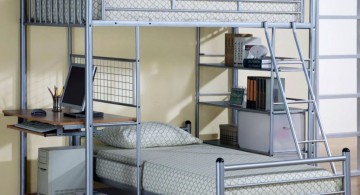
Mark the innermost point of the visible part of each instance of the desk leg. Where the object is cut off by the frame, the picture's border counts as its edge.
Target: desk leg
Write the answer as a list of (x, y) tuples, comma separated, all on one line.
[(74, 141), (23, 161)]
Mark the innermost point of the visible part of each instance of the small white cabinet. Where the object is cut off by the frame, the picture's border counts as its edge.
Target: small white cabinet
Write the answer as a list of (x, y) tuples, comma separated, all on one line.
[(254, 132)]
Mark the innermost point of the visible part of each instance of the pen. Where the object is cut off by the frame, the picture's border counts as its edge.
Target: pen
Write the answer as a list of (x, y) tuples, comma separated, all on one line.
[(51, 92), (56, 91), (61, 92)]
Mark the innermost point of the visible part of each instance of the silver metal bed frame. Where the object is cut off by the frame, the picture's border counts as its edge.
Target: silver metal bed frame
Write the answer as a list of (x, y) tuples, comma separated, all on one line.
[(74, 13)]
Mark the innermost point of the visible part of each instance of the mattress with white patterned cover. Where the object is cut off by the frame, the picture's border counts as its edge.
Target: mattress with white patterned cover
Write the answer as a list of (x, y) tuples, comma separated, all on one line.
[(73, 11), (191, 170)]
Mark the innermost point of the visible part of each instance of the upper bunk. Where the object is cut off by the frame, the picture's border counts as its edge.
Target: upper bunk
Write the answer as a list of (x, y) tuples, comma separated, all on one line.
[(196, 13)]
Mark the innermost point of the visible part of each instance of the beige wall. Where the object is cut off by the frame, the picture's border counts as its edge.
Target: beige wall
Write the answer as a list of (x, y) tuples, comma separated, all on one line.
[(9, 144)]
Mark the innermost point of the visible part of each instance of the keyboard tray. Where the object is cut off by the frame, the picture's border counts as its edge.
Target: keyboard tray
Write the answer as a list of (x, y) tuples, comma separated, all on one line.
[(36, 126)]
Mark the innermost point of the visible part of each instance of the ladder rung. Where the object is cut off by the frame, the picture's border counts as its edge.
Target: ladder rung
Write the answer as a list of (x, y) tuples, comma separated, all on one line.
[(291, 111), (311, 141), (289, 69), (296, 102), (289, 62)]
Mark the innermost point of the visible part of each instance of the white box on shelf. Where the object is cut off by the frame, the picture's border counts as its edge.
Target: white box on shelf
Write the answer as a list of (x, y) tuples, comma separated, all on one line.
[(254, 132), (242, 46)]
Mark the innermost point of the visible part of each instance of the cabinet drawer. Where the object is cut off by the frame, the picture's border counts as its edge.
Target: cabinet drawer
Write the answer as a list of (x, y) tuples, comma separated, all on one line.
[(254, 132)]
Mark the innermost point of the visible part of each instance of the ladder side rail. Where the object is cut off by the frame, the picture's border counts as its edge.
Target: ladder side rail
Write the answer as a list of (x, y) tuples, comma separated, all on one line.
[(275, 68), (318, 121)]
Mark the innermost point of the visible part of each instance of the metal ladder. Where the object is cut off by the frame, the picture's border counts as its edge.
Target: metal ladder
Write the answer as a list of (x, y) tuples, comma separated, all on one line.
[(311, 101)]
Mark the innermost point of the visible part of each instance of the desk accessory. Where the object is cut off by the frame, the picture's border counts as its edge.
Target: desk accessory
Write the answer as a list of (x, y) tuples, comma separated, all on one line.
[(38, 112), (56, 96)]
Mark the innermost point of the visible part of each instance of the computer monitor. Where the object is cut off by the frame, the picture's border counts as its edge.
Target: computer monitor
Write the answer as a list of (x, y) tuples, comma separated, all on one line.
[(74, 91)]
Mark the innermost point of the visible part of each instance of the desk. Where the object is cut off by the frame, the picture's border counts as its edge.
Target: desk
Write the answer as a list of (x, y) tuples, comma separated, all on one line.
[(66, 126)]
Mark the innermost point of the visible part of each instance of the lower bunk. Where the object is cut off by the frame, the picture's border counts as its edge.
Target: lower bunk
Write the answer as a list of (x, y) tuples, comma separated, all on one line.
[(191, 169)]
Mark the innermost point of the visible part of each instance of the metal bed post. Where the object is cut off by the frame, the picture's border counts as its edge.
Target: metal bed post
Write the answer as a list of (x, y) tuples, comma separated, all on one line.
[(311, 147), (89, 96), (220, 186), (23, 95), (235, 83), (347, 171), (314, 17), (73, 140), (138, 109), (272, 80), (197, 84)]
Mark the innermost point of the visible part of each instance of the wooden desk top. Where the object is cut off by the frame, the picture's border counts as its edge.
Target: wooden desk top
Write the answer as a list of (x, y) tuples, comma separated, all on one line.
[(57, 118)]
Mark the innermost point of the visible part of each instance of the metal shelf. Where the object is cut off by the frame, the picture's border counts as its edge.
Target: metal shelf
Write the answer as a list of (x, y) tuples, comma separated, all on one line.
[(222, 65), (225, 104)]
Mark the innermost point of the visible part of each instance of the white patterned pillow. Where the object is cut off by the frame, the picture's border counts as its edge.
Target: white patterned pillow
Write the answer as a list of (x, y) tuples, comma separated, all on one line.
[(153, 134)]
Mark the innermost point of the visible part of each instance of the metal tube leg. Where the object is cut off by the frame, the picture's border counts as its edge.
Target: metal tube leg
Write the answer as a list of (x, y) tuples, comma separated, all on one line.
[(347, 172), (220, 176), (23, 160)]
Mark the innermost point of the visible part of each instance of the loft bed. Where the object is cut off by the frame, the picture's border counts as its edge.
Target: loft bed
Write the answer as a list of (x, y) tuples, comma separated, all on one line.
[(185, 13)]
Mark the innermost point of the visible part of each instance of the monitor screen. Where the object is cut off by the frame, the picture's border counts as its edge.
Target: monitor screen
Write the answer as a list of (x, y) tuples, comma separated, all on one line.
[(74, 91)]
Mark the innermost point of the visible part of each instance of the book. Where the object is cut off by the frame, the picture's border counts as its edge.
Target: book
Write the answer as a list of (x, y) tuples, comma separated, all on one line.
[(258, 93), (240, 48), (257, 63), (229, 47), (265, 62), (237, 96)]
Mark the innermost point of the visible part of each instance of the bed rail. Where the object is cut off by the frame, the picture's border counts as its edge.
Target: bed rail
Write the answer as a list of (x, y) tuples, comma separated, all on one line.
[(345, 158), (114, 81), (72, 12)]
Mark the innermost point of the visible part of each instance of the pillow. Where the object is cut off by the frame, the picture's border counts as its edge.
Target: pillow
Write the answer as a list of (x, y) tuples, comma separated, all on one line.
[(153, 134)]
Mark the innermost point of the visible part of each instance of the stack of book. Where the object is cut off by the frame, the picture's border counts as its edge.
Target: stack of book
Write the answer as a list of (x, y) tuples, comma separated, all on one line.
[(258, 93), (234, 47), (257, 63)]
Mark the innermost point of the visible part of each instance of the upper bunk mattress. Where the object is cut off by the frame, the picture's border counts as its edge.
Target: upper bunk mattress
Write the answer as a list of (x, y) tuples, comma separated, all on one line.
[(73, 11), (191, 170)]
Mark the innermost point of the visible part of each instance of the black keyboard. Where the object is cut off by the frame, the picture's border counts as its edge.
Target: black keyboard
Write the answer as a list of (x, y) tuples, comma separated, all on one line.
[(36, 126)]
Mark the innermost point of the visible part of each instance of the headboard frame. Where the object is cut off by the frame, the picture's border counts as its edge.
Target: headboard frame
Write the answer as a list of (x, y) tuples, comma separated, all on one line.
[(187, 126)]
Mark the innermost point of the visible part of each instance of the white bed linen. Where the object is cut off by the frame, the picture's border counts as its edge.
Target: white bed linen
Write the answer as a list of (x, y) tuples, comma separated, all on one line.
[(191, 170)]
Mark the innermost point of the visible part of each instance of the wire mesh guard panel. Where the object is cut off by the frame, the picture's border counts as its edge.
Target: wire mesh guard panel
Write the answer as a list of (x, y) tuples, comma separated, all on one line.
[(114, 81), (61, 11)]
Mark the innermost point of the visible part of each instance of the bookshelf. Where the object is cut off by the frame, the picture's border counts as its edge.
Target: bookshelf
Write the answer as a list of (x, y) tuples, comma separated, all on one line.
[(273, 119)]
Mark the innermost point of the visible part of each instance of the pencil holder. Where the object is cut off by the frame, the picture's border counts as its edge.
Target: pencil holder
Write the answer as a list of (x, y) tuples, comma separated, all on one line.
[(56, 104)]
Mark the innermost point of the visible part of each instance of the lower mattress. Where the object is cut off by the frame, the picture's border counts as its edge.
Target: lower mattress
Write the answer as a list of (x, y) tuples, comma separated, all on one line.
[(191, 170)]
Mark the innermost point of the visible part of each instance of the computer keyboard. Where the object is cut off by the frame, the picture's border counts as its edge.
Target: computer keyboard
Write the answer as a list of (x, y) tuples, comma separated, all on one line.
[(36, 126)]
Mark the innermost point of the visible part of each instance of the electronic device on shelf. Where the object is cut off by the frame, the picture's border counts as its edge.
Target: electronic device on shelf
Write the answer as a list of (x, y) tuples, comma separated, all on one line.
[(74, 91), (36, 126), (38, 112)]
